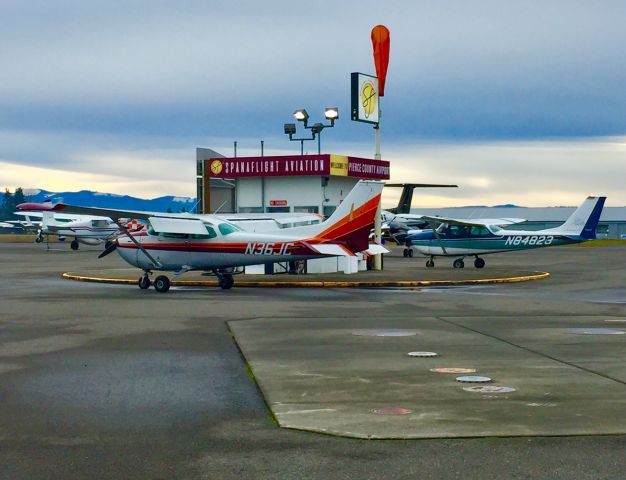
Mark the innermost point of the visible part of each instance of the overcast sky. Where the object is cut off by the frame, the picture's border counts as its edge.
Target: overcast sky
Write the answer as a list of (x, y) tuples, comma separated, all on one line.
[(517, 102)]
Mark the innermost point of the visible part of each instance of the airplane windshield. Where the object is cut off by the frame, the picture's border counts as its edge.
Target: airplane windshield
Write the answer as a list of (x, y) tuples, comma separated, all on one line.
[(494, 228)]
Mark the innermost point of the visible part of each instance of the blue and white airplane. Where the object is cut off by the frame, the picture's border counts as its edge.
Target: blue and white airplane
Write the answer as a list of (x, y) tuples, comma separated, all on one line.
[(471, 238)]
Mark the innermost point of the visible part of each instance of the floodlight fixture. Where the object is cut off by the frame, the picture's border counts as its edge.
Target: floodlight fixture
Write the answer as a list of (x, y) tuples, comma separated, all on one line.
[(331, 113), (317, 128), (301, 115), (290, 128)]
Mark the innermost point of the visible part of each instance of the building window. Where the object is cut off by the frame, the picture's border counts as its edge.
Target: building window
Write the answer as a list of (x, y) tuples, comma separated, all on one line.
[(311, 209), (278, 209), (329, 210)]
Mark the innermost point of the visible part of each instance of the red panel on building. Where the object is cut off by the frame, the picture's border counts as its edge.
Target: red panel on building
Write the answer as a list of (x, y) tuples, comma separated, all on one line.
[(298, 165)]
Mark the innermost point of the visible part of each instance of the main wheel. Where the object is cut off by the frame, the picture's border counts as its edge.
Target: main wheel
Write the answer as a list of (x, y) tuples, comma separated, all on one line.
[(405, 252), (74, 244), (479, 262), (430, 263), (161, 284), (144, 282), (226, 282), (410, 252), (38, 239), (458, 263)]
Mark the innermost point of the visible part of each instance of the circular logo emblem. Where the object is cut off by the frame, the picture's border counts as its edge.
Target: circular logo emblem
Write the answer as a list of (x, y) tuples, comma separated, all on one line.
[(216, 167), (368, 98)]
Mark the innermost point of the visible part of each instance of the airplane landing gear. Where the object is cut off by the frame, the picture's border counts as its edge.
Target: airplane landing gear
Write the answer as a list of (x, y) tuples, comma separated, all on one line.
[(74, 244), (226, 281), (161, 284), (458, 263), (479, 262), (39, 237), (430, 263), (144, 281), (407, 252)]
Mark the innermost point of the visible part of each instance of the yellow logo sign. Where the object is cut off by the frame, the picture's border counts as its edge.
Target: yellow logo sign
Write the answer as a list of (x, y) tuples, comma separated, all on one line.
[(369, 98), (216, 167), (339, 165)]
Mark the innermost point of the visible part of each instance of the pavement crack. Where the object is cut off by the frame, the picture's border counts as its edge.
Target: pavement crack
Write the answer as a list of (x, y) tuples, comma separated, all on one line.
[(530, 350)]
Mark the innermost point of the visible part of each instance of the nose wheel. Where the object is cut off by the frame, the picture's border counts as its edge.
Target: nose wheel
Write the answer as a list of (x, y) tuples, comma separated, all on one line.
[(479, 262), (144, 282), (430, 263), (458, 263)]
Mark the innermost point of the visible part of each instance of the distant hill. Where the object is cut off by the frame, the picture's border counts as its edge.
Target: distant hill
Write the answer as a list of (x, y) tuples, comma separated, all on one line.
[(88, 198)]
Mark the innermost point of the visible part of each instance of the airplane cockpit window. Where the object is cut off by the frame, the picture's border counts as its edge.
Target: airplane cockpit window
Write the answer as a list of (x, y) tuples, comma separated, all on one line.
[(99, 223), (494, 229), (479, 231), (228, 228), (458, 231)]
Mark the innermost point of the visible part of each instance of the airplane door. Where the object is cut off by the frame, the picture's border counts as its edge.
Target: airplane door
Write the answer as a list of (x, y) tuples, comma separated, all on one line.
[(172, 250)]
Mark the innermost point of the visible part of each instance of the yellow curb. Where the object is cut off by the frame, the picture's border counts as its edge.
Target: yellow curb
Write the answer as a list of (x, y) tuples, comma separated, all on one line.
[(321, 284)]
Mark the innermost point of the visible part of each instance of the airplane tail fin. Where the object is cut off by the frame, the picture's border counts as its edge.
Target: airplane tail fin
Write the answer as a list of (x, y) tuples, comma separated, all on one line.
[(583, 222), (406, 197), (351, 223)]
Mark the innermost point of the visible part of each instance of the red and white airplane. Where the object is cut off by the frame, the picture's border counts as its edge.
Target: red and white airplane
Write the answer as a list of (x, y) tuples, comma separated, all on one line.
[(181, 242)]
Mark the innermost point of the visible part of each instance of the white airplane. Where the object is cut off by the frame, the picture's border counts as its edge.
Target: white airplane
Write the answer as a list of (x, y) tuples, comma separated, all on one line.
[(87, 229), (96, 229), (180, 243)]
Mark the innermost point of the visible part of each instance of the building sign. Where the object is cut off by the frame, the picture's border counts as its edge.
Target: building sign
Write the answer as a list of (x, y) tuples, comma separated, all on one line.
[(297, 165), (278, 203), (364, 104), (366, 168), (339, 165)]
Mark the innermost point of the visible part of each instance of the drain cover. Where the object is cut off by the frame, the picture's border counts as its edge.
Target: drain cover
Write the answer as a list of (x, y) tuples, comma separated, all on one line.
[(392, 411), (596, 331), (473, 379), (489, 389), (453, 370), (422, 354), (397, 332)]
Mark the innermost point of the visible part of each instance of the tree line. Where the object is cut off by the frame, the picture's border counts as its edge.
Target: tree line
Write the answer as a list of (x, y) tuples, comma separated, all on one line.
[(9, 203)]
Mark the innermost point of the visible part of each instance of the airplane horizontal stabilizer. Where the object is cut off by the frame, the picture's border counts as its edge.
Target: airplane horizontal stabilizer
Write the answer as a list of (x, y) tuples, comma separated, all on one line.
[(332, 249), (375, 249)]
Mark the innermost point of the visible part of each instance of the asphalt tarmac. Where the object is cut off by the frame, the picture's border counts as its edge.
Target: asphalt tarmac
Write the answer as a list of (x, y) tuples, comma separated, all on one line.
[(108, 381)]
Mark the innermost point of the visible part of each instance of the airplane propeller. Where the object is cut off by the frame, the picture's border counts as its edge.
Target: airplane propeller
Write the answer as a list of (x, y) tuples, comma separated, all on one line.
[(108, 250)]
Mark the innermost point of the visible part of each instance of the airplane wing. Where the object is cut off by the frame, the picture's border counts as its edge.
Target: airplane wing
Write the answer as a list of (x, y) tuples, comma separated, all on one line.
[(177, 225), (281, 218), (481, 222), (99, 212)]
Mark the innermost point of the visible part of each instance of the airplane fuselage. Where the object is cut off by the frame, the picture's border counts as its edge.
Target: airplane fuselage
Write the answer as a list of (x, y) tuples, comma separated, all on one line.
[(427, 243), (175, 252)]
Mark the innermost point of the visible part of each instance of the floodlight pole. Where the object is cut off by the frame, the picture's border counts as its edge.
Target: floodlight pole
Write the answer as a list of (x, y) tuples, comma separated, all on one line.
[(378, 258)]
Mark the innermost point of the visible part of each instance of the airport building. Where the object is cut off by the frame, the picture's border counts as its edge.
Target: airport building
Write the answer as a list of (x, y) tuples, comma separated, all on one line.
[(280, 184)]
